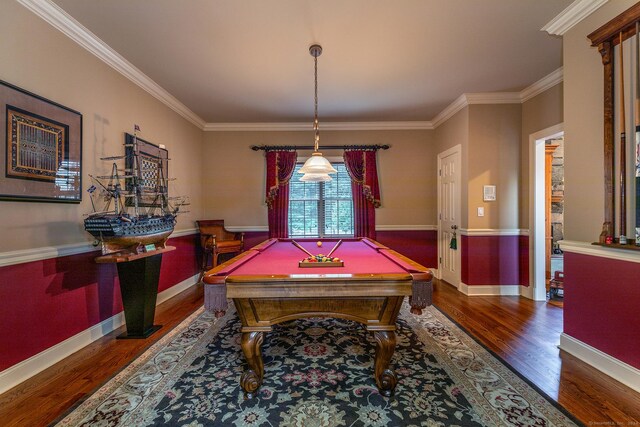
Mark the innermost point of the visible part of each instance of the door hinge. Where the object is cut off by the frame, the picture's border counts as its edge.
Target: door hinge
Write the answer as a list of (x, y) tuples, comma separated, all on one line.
[(440, 172), (439, 216), (440, 260)]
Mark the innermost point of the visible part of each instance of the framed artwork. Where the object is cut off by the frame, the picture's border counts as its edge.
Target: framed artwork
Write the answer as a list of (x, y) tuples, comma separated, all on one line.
[(489, 193), (42, 156), (154, 170)]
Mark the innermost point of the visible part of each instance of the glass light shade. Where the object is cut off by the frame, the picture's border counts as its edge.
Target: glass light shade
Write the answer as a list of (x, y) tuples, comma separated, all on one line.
[(315, 177), (316, 164)]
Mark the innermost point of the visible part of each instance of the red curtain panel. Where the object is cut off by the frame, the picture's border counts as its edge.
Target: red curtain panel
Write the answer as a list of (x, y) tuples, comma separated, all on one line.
[(280, 166), (361, 166)]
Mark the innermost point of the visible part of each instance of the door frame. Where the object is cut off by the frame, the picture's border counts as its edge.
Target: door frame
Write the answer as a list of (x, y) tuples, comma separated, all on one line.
[(537, 288), (456, 149)]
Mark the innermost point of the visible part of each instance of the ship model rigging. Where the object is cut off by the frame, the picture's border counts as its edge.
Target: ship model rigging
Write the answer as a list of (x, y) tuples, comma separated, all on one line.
[(138, 215)]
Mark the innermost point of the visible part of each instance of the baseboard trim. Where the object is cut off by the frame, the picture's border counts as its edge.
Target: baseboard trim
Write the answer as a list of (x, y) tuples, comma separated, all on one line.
[(616, 369), (489, 290), (37, 363)]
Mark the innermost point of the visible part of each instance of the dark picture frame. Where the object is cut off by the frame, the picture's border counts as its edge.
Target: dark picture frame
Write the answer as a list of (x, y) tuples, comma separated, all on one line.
[(42, 156), (154, 163)]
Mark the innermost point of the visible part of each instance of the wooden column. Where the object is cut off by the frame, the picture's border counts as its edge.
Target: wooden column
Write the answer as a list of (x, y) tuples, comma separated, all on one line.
[(613, 33)]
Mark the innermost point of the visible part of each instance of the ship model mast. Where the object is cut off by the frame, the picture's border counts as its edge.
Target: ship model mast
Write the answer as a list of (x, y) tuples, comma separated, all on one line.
[(145, 185)]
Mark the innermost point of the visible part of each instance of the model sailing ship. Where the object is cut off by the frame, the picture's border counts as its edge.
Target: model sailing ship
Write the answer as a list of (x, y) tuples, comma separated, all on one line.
[(138, 212)]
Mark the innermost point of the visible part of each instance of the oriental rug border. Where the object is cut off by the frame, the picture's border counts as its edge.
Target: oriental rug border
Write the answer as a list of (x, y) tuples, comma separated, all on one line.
[(493, 394)]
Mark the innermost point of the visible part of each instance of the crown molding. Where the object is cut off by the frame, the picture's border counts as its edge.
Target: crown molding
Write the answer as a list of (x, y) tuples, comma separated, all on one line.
[(493, 98), (475, 98), (545, 83), (572, 15), (450, 110), (326, 126), (59, 19), (65, 23)]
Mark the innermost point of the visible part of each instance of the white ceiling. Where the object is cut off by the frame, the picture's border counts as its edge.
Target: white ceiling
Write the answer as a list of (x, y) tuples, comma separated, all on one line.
[(243, 61)]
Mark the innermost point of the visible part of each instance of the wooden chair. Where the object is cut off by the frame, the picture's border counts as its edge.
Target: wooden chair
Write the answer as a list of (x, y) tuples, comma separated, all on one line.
[(216, 240)]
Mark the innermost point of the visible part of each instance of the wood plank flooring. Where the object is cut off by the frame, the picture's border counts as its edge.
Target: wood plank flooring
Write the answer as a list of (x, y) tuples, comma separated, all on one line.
[(522, 332), (526, 334)]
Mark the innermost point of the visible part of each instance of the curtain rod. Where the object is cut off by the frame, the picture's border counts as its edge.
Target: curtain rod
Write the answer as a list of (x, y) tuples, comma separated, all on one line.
[(322, 147)]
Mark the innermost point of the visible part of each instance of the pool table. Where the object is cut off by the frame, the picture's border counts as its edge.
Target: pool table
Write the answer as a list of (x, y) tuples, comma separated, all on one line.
[(268, 287)]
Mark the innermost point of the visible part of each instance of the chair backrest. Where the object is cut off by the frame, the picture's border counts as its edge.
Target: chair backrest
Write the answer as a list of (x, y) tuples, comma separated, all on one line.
[(215, 226)]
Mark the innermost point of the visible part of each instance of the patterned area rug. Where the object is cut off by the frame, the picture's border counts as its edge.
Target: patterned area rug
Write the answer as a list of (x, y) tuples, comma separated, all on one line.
[(318, 372)]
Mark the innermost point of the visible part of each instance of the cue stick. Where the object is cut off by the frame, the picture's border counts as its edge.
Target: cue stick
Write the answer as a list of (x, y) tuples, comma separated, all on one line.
[(297, 245), (623, 149), (334, 248)]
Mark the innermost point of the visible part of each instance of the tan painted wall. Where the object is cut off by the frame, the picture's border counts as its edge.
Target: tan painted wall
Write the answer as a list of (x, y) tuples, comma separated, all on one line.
[(494, 158), (40, 59), (234, 175), (538, 113), (449, 134), (583, 117)]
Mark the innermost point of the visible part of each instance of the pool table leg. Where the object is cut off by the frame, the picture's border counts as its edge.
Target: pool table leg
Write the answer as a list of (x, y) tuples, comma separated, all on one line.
[(385, 377), (252, 378)]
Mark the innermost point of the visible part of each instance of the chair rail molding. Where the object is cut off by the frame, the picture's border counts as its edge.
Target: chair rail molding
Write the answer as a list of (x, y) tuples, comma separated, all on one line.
[(46, 252)]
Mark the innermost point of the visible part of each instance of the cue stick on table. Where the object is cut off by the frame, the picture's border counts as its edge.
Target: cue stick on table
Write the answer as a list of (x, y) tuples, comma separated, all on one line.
[(297, 245), (334, 248)]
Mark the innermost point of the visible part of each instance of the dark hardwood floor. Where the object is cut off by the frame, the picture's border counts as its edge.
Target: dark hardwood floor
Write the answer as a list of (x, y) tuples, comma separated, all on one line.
[(526, 334), (522, 332)]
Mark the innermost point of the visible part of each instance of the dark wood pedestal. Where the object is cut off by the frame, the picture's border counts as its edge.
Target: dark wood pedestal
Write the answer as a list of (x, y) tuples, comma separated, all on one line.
[(139, 276)]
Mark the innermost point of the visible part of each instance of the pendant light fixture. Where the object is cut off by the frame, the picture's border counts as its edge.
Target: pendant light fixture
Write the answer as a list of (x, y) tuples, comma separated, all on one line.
[(316, 168)]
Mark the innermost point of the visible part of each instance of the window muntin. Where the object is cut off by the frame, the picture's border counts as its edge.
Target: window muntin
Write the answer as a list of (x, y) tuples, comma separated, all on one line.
[(321, 209)]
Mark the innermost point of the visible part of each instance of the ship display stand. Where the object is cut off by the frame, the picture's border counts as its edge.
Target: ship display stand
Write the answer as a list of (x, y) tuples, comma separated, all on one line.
[(134, 225), (139, 275)]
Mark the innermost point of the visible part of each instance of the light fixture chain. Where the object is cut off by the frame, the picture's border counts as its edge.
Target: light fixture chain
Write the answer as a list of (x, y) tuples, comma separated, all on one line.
[(316, 125)]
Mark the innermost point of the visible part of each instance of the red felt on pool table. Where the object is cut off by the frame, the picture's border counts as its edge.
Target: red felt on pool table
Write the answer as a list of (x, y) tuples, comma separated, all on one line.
[(282, 257)]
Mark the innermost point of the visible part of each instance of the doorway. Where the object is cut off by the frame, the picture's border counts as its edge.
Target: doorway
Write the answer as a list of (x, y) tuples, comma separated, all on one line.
[(554, 219), (538, 207), (449, 216)]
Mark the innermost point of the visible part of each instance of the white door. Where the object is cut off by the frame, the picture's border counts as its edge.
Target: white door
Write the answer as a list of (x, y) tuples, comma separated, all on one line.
[(449, 214)]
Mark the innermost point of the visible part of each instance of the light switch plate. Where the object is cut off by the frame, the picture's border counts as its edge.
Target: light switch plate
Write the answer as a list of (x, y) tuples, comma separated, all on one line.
[(481, 211)]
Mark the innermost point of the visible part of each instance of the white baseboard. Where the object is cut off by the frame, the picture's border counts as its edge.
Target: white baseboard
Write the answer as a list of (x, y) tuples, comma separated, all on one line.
[(24, 370), (616, 369), (489, 290)]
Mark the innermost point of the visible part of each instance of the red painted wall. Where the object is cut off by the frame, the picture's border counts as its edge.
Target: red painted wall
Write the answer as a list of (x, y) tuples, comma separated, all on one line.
[(42, 303), (419, 245), (524, 260), (491, 260), (602, 304)]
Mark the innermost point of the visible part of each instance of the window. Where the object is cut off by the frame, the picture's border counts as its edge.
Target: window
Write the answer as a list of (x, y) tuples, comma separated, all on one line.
[(321, 209)]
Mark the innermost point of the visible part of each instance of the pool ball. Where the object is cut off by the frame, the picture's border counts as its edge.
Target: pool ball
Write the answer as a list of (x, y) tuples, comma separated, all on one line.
[(319, 243)]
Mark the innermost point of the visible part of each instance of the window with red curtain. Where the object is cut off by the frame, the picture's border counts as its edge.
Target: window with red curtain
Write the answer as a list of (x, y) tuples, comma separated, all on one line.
[(361, 166), (280, 166), (321, 209)]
